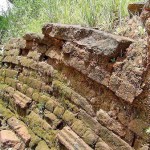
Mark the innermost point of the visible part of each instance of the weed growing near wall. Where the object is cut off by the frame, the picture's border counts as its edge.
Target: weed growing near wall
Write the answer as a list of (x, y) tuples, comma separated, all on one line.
[(30, 15)]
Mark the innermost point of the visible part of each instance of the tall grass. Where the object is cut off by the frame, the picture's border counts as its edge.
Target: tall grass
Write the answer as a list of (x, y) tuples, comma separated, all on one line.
[(30, 15)]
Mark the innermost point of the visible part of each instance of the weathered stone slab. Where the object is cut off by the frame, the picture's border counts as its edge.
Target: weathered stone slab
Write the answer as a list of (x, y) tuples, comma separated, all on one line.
[(71, 140), (8, 139), (110, 123), (33, 36), (15, 43), (138, 127), (126, 80), (20, 129), (93, 40), (52, 119), (101, 145), (114, 141), (42, 146), (106, 46), (11, 59), (34, 55), (21, 100), (73, 96)]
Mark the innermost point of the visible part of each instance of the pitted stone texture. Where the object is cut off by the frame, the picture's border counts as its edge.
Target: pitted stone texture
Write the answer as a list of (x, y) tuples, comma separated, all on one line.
[(20, 129), (71, 140), (33, 36), (101, 145), (8, 139), (126, 81), (15, 43), (42, 146), (110, 123), (138, 127), (34, 55), (92, 40), (21, 100), (146, 12)]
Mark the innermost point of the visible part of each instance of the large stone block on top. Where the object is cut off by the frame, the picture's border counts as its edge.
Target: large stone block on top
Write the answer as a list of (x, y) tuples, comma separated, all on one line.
[(92, 40)]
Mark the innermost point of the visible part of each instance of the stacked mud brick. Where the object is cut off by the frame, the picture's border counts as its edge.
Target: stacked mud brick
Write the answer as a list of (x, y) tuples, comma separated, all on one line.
[(74, 88)]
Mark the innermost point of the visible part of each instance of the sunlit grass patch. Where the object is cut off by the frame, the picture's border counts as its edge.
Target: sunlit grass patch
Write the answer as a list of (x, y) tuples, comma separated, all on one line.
[(29, 16)]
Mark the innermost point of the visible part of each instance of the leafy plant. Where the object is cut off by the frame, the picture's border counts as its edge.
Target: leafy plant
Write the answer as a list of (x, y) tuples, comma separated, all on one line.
[(41, 106)]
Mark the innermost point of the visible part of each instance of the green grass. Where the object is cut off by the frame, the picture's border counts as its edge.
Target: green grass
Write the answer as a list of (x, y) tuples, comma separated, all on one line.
[(29, 15)]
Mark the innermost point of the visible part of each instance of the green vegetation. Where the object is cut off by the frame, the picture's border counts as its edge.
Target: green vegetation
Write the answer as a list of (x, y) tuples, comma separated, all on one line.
[(30, 15)]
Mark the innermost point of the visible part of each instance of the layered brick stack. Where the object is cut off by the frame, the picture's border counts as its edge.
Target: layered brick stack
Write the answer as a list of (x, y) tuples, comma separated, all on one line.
[(74, 88)]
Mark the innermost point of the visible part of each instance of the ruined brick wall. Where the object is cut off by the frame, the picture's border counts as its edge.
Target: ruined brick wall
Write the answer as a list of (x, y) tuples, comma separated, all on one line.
[(75, 88)]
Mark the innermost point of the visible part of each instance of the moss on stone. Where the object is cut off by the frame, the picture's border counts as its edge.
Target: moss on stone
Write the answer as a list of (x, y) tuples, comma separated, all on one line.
[(29, 81), (29, 92), (11, 73), (2, 80), (24, 88), (35, 84), (36, 96), (2, 72), (1, 58), (42, 146), (79, 127), (3, 86), (4, 111), (34, 139), (59, 111), (68, 105), (21, 77), (62, 89), (11, 82), (41, 128), (43, 99), (51, 104), (69, 117), (90, 137)]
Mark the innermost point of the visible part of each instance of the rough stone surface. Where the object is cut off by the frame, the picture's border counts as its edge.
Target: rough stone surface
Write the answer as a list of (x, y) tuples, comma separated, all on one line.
[(110, 123), (71, 141), (8, 139), (20, 129), (135, 8), (77, 88)]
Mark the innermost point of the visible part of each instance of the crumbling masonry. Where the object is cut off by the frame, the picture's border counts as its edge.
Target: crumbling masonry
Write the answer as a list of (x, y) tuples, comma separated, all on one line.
[(75, 88)]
